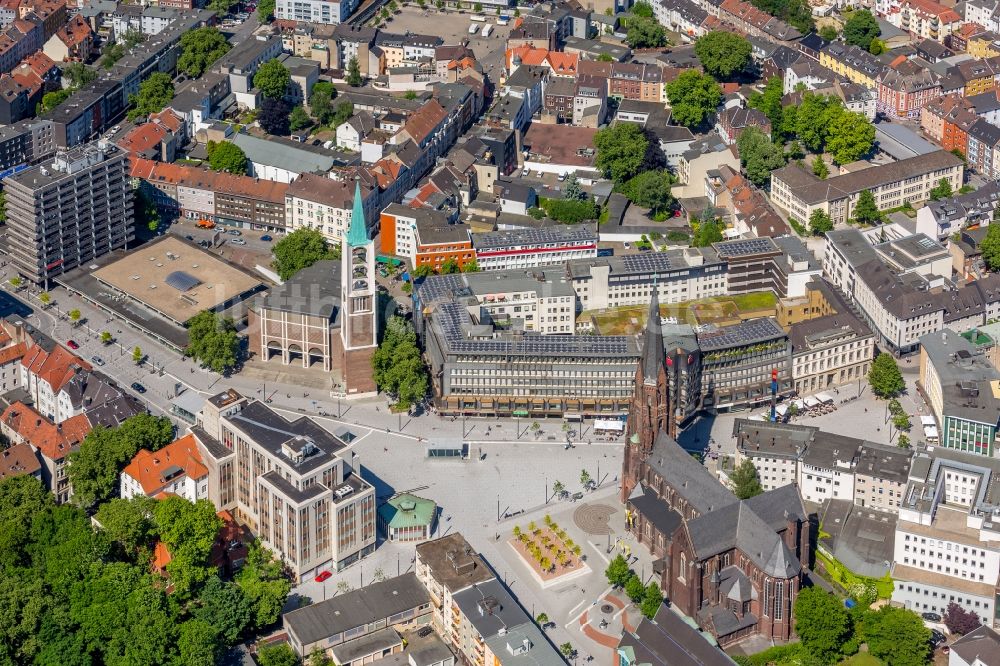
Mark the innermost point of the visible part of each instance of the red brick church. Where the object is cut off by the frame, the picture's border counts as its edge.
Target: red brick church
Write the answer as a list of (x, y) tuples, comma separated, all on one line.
[(733, 565)]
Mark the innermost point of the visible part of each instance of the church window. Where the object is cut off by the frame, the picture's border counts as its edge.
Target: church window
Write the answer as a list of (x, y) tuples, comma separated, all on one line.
[(683, 569)]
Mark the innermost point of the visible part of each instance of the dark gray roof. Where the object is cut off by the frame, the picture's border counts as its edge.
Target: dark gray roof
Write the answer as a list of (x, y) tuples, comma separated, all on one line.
[(739, 526), (655, 510), (563, 233), (490, 608), (359, 607), (270, 430), (211, 444), (670, 641), (690, 478), (313, 291), (653, 356), (979, 646)]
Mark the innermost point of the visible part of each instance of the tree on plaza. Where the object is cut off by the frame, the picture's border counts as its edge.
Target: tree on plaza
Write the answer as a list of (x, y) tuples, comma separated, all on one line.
[(861, 28), (300, 249), (272, 79), (274, 116), (884, 376), (298, 119), (820, 170), (850, 137), (585, 478), (990, 246), (106, 338), (694, 97), (759, 155), (897, 636), (645, 33), (651, 189), (226, 156), (621, 149), (398, 365), (960, 621), (652, 599), (542, 619), (866, 211), (213, 341), (820, 222), (154, 94), (903, 441), (822, 623), (567, 650), (942, 190), (745, 481), (558, 488), (618, 572), (45, 298), (723, 54), (265, 11), (74, 315), (16, 282), (137, 355), (353, 73), (199, 49), (634, 588)]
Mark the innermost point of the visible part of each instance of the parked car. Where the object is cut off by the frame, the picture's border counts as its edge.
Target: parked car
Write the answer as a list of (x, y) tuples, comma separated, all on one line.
[(138, 388), (931, 617), (266, 238), (937, 638), (97, 360), (234, 232), (323, 575), (72, 344), (238, 241), (525, 171), (189, 237)]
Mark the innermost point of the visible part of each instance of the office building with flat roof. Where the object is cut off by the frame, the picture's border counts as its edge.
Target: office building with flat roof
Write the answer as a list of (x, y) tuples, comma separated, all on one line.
[(65, 213)]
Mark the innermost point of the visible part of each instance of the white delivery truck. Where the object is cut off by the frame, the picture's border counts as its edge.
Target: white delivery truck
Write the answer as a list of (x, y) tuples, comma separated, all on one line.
[(473, 29), (487, 29)]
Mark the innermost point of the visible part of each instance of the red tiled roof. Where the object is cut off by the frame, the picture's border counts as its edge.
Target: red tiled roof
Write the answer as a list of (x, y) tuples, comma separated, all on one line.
[(18, 460), (425, 120), (143, 138), (56, 368), (149, 468), (53, 441), (75, 32), (224, 183)]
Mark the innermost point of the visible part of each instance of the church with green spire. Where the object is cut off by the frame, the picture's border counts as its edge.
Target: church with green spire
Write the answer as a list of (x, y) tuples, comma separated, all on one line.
[(359, 303)]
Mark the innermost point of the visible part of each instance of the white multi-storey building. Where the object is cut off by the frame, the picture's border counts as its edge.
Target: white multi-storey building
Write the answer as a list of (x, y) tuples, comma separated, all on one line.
[(315, 11), (947, 544), (175, 469), (325, 204)]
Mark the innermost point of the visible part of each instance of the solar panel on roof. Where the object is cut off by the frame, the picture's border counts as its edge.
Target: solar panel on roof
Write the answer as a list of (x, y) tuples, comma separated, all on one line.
[(182, 281)]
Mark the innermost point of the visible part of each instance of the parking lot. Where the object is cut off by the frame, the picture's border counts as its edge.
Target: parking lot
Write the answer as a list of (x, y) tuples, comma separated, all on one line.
[(254, 252), (453, 27)]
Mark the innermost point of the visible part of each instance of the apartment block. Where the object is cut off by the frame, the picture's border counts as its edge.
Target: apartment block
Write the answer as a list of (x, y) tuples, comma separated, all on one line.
[(288, 483), (447, 566), (424, 236)]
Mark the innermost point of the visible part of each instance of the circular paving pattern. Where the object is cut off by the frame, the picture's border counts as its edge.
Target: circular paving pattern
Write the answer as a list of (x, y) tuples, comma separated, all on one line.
[(594, 518)]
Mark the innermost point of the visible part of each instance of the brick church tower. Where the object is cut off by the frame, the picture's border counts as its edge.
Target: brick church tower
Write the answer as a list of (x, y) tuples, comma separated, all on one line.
[(649, 412), (358, 298)]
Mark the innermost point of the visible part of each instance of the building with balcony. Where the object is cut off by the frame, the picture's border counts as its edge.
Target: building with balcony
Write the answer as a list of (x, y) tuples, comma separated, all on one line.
[(68, 212)]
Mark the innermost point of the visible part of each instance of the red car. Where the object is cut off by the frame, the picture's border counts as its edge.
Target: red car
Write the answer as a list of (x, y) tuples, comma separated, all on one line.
[(72, 344), (323, 575)]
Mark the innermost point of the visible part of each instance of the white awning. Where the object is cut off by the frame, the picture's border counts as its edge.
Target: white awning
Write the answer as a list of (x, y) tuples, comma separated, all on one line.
[(811, 401), (927, 420), (781, 409), (799, 404), (824, 397), (609, 424), (756, 417), (930, 431)]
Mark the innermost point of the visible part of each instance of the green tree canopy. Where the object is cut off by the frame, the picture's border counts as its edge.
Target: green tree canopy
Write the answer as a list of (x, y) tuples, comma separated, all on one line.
[(897, 636), (571, 211), (652, 599), (265, 11), (279, 654), (709, 231), (694, 97), (272, 79), (226, 156), (861, 28), (769, 102), (866, 211), (398, 365), (759, 155), (264, 584), (300, 249), (51, 100), (745, 480), (642, 9), (723, 54), (128, 522), (651, 189), (298, 119), (321, 101), (827, 32), (78, 74), (820, 170), (621, 150), (820, 222), (154, 94), (822, 623), (226, 607), (645, 33), (199, 49), (884, 376), (353, 73), (850, 136), (990, 247), (942, 190), (213, 341), (618, 571)]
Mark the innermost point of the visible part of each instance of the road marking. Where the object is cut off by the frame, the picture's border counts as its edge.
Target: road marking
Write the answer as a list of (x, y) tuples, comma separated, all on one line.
[(597, 547)]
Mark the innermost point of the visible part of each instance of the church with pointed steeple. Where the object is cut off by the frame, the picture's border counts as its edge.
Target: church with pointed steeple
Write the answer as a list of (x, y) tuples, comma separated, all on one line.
[(734, 566), (359, 303)]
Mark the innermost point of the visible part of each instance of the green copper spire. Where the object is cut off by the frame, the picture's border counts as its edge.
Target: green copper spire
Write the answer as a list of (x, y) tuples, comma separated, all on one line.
[(357, 235)]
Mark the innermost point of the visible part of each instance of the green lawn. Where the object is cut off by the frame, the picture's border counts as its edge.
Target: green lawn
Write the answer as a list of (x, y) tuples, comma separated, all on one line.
[(631, 319), (862, 659), (758, 300)]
